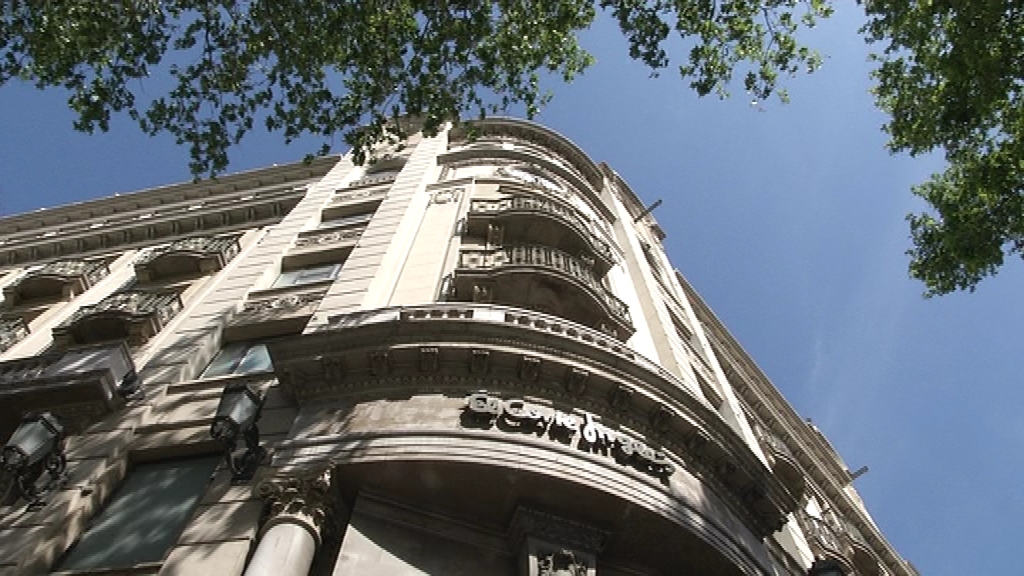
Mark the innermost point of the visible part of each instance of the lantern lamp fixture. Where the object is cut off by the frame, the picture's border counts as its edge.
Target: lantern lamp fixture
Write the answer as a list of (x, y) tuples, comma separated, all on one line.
[(37, 446), (237, 413)]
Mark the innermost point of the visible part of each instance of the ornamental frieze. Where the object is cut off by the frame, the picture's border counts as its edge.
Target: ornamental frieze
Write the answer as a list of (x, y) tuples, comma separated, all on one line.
[(350, 235), (12, 331), (132, 315), (61, 279), (188, 256)]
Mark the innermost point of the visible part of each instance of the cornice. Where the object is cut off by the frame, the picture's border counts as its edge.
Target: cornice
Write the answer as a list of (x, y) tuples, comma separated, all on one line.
[(157, 215), (812, 450), (455, 349), (542, 135)]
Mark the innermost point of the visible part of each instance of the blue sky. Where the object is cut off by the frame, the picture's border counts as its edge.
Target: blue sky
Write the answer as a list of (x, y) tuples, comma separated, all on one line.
[(789, 219)]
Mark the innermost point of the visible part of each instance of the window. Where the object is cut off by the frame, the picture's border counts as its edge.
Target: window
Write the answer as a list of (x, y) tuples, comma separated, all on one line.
[(307, 275), (346, 221), (239, 358), (144, 517)]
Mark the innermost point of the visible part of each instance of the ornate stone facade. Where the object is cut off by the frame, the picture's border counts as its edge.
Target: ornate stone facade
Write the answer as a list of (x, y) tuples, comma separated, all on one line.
[(496, 377)]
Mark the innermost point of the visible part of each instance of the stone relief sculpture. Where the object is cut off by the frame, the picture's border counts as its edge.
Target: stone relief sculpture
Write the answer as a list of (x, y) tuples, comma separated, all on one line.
[(561, 563)]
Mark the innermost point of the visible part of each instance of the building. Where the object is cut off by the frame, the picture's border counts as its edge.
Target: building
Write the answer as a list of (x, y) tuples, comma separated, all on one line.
[(470, 357)]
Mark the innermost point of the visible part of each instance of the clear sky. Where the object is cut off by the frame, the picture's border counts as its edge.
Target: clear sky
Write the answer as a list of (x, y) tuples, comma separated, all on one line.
[(789, 220)]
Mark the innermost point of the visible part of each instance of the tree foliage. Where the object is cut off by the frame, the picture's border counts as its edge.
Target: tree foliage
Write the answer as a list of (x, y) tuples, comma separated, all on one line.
[(209, 71), (950, 76)]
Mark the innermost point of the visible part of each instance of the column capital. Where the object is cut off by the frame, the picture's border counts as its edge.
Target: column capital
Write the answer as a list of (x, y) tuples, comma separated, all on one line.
[(303, 497)]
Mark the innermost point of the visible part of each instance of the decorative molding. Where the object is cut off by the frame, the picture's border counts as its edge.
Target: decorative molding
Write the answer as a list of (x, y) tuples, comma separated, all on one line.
[(375, 179), (61, 279), (447, 195), (529, 368), (533, 258), (305, 498), (827, 542), (576, 381), (556, 530), (102, 225), (478, 362), (137, 316), (12, 330), (430, 359), (571, 218), (380, 362), (530, 355), (347, 235), (188, 256), (79, 385), (282, 303), (620, 397)]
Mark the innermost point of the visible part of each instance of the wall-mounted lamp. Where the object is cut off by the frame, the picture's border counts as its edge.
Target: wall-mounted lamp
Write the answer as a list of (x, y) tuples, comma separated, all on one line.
[(37, 446), (826, 568), (237, 414)]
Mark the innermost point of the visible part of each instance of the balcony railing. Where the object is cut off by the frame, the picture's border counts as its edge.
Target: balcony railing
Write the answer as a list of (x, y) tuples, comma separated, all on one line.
[(550, 259), (196, 255), (61, 279), (374, 179), (80, 385), (132, 315), (12, 331), (566, 214)]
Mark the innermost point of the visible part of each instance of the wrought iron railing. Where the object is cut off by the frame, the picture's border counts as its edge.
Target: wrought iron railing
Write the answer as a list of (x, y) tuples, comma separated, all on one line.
[(532, 203), (549, 258)]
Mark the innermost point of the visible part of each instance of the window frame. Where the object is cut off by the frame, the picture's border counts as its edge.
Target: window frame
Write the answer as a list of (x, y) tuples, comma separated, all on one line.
[(240, 353), (106, 522), (307, 275)]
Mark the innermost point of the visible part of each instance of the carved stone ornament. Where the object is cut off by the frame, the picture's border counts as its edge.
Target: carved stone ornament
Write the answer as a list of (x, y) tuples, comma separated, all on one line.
[(12, 331), (304, 498), (561, 562), (188, 256), (333, 237), (283, 303), (61, 279), (446, 196), (133, 315), (559, 532)]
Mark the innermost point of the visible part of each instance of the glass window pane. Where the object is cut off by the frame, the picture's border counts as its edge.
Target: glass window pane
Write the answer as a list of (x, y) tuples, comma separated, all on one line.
[(287, 279), (225, 361), (346, 221), (144, 518), (317, 274), (256, 359)]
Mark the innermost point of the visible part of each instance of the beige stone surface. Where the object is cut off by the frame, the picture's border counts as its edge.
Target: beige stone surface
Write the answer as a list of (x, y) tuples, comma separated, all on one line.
[(208, 559), (223, 521)]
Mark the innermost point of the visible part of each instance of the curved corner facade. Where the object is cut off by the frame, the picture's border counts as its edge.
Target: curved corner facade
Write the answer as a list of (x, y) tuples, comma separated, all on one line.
[(473, 357)]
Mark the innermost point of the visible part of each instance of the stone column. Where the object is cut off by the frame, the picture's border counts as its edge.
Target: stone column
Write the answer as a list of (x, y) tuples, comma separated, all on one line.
[(300, 506)]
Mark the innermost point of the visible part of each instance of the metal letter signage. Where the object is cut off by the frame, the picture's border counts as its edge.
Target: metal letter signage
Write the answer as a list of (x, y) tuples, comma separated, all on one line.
[(593, 436)]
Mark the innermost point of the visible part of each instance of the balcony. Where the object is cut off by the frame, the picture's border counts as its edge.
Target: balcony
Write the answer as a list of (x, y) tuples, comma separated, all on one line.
[(12, 331), (864, 559), (544, 279), (541, 220), (385, 177), (783, 462), (79, 385), (133, 315), (59, 280), (826, 541), (187, 257), (272, 313)]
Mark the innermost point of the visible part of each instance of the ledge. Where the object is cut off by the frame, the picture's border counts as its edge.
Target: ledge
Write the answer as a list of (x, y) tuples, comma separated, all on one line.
[(79, 385), (455, 349)]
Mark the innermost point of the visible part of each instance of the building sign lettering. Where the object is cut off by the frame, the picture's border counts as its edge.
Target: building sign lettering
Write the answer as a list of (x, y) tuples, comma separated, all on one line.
[(518, 414)]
